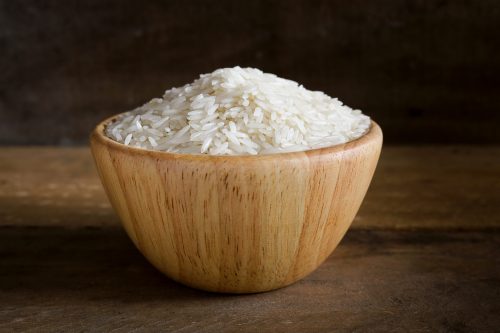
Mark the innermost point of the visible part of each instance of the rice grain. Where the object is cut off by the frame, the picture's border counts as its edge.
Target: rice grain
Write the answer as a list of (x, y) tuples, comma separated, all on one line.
[(238, 111)]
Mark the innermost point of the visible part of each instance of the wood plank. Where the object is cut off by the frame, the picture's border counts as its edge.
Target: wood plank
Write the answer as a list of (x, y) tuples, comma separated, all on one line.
[(67, 265), (434, 187), (92, 279), (426, 70), (414, 187)]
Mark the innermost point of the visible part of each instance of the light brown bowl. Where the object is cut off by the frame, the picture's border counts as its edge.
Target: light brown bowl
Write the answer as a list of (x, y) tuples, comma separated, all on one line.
[(237, 224)]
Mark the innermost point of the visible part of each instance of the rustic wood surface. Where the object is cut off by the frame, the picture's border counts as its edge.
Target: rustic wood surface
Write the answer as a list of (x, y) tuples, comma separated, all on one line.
[(413, 187), (55, 279), (426, 69), (422, 256)]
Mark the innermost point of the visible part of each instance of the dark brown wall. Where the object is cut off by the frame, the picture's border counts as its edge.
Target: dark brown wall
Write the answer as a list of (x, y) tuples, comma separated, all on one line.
[(428, 71)]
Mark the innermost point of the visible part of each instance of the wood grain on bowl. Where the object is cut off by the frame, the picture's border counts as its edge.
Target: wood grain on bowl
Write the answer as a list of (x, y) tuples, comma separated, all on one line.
[(236, 224)]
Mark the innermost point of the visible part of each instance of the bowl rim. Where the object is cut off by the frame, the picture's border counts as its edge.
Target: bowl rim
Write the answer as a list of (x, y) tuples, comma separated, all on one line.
[(97, 135)]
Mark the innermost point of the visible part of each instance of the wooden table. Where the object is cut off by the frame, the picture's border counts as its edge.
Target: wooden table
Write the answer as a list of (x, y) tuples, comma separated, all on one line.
[(423, 255)]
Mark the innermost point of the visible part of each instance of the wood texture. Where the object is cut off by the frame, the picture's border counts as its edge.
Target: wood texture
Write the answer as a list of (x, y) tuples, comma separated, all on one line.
[(427, 187), (237, 224), (67, 266), (425, 69), (58, 279)]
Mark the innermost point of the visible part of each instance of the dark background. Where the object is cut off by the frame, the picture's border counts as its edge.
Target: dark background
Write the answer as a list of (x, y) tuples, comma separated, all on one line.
[(427, 71)]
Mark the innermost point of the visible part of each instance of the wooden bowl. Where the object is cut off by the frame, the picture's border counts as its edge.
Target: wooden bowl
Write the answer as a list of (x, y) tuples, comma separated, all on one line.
[(236, 224)]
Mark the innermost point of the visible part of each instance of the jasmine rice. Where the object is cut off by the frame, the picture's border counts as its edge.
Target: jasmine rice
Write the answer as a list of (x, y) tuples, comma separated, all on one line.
[(239, 111)]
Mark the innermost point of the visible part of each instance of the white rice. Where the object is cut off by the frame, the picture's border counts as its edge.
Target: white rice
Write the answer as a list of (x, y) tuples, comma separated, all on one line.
[(239, 111)]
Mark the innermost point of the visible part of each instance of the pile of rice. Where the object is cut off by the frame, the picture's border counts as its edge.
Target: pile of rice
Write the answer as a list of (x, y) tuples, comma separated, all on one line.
[(238, 111)]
